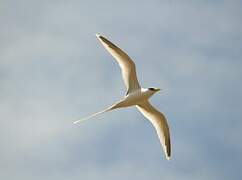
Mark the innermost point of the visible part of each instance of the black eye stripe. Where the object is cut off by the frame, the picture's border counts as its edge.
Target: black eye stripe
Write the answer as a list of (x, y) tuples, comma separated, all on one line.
[(152, 89)]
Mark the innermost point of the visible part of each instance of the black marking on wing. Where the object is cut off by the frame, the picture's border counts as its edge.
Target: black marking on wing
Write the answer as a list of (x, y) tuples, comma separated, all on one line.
[(110, 44)]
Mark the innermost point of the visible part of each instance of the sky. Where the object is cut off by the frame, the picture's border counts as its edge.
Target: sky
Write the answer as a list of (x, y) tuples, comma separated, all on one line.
[(54, 71)]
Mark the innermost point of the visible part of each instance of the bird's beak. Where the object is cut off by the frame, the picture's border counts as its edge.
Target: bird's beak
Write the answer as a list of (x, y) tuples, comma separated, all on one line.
[(157, 89)]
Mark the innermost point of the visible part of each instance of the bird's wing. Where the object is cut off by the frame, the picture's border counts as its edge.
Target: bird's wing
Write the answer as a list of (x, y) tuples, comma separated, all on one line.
[(125, 62), (159, 122)]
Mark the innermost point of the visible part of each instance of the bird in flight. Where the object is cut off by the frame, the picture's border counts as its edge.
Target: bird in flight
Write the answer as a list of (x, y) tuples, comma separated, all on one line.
[(136, 95)]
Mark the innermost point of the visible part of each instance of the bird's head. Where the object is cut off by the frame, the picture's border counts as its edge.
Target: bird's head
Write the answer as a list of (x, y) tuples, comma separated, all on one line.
[(154, 90)]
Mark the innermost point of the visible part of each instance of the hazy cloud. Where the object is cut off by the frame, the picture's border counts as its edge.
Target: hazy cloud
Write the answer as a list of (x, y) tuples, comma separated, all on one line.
[(54, 71)]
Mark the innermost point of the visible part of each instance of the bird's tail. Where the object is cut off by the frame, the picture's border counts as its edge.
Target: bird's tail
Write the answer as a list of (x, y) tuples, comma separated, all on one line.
[(114, 106), (95, 114)]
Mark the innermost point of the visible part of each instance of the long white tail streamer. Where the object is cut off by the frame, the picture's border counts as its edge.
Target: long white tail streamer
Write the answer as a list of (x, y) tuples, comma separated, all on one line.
[(91, 116)]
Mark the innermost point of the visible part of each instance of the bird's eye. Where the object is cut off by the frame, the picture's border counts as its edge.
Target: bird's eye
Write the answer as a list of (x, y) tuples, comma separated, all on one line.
[(152, 89)]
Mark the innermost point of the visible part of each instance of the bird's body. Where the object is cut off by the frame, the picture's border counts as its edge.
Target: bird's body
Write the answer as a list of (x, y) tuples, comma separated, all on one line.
[(136, 96)]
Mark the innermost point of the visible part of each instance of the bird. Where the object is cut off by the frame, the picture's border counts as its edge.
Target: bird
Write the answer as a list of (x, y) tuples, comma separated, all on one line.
[(136, 95)]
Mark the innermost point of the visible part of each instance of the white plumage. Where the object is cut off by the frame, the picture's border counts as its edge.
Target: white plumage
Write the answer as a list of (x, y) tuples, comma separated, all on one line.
[(136, 96)]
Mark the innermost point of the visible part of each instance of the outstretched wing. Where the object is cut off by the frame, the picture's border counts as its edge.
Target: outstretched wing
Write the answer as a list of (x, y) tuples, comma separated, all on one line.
[(125, 62), (159, 122)]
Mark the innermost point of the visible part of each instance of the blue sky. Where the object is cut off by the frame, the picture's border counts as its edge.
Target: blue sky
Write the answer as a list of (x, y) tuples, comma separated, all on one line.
[(53, 71)]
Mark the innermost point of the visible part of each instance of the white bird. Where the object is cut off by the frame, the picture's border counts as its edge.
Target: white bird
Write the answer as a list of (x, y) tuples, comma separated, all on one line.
[(136, 96)]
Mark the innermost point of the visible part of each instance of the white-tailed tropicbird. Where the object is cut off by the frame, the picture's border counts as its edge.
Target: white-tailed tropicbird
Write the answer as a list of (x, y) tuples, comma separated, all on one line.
[(136, 96)]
